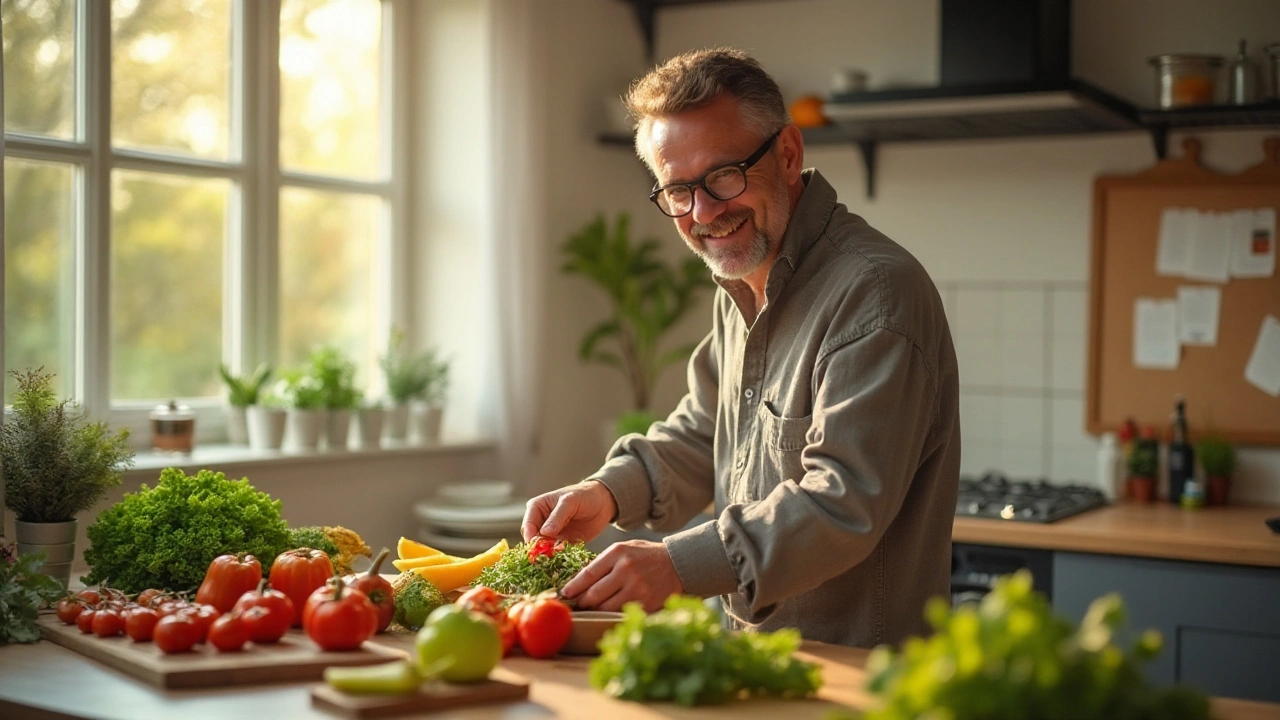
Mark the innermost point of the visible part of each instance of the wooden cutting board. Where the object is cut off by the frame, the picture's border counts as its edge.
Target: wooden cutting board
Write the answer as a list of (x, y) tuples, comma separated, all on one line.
[(294, 658), (502, 686)]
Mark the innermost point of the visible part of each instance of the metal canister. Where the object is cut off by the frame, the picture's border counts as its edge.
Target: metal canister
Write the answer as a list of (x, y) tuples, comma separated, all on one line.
[(1184, 80), (1242, 79)]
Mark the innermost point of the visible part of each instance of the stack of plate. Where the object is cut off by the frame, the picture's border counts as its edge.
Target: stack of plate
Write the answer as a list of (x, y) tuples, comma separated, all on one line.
[(470, 517)]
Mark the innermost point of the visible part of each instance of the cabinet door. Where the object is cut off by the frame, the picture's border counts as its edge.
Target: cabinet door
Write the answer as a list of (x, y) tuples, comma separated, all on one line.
[(1220, 624)]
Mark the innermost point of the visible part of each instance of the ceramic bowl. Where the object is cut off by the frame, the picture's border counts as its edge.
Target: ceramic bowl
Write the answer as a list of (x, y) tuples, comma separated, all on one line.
[(588, 627)]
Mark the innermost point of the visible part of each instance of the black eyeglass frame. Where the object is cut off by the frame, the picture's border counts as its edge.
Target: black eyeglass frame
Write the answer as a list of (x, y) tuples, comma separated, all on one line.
[(693, 185)]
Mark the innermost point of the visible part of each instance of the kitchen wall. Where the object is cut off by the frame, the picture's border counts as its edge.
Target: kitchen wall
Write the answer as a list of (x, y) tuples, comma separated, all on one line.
[(1003, 226)]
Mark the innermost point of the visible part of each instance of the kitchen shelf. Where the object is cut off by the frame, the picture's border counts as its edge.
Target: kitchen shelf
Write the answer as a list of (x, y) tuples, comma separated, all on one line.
[(1160, 122)]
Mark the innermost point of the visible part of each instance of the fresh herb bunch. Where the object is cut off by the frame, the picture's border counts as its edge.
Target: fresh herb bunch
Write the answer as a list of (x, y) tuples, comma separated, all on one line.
[(682, 654), (516, 573), (337, 376), (1011, 657), (165, 537), (56, 465), (313, 536), (411, 376), (23, 589)]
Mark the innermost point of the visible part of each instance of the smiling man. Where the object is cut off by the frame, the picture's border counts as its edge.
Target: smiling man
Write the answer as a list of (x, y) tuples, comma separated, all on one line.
[(822, 417)]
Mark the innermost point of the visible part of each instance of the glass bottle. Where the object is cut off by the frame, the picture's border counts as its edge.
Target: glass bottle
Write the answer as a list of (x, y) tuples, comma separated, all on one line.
[(1182, 459)]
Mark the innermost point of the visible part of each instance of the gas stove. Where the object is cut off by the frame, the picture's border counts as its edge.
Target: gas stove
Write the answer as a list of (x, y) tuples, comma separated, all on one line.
[(1038, 501)]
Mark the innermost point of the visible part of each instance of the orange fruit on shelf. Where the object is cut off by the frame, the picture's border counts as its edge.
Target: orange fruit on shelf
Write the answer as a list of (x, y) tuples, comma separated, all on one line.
[(806, 111)]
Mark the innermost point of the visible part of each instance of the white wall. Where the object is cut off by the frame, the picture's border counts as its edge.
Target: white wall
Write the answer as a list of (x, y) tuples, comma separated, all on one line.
[(1003, 225)]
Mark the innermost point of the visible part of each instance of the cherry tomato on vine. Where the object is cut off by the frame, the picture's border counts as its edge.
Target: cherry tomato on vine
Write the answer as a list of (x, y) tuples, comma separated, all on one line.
[(140, 623), (229, 632), (90, 597), (69, 609), (85, 620), (107, 623), (176, 633), (268, 613)]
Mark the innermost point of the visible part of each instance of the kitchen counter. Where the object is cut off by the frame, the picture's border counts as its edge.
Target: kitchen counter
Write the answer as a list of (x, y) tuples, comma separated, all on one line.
[(1233, 535), (48, 681)]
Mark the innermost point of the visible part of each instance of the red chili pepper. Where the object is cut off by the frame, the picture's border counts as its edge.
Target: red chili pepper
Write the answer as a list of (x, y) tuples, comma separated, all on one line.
[(542, 546)]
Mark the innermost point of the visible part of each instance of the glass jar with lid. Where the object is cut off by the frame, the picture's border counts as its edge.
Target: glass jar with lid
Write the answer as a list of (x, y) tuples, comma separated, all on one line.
[(173, 428), (1186, 80)]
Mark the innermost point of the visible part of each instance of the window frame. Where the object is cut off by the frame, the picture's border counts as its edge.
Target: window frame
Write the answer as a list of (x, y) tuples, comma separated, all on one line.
[(252, 254)]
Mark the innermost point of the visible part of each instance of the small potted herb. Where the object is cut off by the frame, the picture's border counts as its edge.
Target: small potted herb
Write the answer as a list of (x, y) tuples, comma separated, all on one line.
[(303, 397), (411, 377), (1143, 464), (337, 377), (266, 420), (427, 410), (242, 392), (1218, 459)]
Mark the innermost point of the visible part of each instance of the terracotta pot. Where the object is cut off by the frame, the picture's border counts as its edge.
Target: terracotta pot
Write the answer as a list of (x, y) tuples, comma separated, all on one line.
[(1219, 487), (1141, 489)]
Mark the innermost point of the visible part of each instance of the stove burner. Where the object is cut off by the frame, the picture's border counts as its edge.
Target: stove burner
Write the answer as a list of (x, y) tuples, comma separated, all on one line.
[(995, 496)]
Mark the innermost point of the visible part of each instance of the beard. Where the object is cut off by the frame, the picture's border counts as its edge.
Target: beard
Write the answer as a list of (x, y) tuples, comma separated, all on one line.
[(738, 261)]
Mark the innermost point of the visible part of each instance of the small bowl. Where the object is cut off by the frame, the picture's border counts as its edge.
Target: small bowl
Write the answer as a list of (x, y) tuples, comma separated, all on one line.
[(588, 627)]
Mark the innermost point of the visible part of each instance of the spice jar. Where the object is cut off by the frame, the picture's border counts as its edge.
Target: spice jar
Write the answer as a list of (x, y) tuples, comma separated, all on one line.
[(173, 428), (1184, 80)]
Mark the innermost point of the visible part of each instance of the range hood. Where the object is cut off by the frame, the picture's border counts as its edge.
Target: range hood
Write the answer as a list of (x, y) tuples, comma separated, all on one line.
[(1005, 70)]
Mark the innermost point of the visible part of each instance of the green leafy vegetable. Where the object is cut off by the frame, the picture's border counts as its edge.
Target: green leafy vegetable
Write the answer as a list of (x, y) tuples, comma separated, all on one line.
[(166, 537), (1011, 657), (683, 654), (23, 589), (516, 574), (313, 536)]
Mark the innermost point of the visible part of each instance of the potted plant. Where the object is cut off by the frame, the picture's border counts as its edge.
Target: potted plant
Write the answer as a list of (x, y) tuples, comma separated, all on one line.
[(337, 377), (56, 465), (266, 420), (370, 418), (241, 393), (303, 398), (647, 298), (1143, 464), (1218, 459), (406, 379), (427, 409)]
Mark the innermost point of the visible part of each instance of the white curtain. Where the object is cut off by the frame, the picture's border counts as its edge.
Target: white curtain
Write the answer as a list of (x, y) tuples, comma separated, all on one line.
[(515, 255)]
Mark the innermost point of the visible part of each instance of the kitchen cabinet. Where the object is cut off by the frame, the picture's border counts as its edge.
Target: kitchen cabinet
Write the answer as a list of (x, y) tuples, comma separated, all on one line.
[(1220, 622)]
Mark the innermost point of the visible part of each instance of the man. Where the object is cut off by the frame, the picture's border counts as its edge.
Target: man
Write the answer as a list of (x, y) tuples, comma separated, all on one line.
[(822, 413)]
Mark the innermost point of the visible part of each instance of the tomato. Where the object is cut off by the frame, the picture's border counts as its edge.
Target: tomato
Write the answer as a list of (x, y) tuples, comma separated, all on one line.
[(466, 642), (170, 606), (297, 574), (488, 601), (229, 577), (229, 632), (149, 596), (69, 608), (544, 546), (341, 621), (268, 613), (107, 623), (140, 623), (176, 633), (543, 625), (85, 620), (204, 615), (378, 589), (90, 597)]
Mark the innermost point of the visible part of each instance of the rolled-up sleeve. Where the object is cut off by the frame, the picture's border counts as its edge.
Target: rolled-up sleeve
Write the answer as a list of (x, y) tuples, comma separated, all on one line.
[(665, 477), (874, 406)]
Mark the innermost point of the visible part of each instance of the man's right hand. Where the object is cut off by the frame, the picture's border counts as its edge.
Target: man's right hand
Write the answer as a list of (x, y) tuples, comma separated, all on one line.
[(577, 512)]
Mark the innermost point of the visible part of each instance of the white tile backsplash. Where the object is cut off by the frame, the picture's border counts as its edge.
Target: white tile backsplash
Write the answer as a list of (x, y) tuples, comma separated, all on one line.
[(1022, 421), (1021, 338), (1069, 342), (979, 418)]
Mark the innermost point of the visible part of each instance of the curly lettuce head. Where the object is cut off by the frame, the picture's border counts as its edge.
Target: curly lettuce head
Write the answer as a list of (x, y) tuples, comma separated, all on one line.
[(165, 537)]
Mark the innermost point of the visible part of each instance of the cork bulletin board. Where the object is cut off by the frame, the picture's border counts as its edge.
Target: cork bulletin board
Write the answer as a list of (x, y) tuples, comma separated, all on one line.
[(1127, 213)]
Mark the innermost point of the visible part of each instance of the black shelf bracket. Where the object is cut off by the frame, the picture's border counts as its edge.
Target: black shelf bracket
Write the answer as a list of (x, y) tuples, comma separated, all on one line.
[(1160, 140), (868, 148), (645, 11)]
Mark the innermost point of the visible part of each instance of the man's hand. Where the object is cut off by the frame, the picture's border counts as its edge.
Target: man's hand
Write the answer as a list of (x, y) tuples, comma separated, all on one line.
[(630, 570), (577, 512)]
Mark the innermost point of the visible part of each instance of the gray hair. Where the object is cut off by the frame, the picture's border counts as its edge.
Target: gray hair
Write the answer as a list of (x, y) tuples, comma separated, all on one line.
[(693, 79)]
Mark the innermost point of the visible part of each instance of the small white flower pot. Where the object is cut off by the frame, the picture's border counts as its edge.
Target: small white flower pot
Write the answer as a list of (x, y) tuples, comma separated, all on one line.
[(303, 429), (237, 425), (369, 424), (424, 423), (397, 422), (265, 427), (338, 427)]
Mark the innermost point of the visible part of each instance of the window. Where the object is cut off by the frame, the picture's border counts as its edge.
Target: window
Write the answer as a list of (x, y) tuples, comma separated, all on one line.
[(177, 198)]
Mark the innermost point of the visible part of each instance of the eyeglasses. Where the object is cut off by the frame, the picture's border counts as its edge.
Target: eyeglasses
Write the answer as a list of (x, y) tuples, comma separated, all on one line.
[(722, 183)]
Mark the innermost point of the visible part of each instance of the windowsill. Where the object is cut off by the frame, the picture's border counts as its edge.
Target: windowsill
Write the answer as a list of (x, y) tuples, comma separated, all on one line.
[(219, 456)]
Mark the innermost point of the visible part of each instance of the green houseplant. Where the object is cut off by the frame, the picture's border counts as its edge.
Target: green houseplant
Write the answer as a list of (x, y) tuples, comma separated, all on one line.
[(412, 376), (337, 377), (647, 298), (242, 392), (1143, 464), (56, 465), (1218, 459), (303, 397)]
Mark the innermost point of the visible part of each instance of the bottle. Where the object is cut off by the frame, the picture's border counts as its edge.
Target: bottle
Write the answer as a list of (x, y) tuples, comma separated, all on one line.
[(1242, 79), (1182, 458), (1110, 475)]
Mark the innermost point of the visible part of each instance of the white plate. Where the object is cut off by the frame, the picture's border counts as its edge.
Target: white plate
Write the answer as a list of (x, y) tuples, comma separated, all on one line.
[(470, 521), (478, 493)]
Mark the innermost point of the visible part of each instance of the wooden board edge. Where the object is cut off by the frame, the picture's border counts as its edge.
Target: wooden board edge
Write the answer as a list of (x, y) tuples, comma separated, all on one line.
[(349, 705), (104, 657)]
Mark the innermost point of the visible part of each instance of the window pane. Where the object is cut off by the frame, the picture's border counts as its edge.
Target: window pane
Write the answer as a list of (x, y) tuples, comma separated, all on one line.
[(171, 75), (330, 83), (328, 251), (39, 272), (167, 240), (39, 66)]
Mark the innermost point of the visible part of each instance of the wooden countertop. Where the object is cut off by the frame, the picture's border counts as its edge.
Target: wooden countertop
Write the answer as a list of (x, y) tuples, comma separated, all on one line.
[(1235, 534), (43, 681)]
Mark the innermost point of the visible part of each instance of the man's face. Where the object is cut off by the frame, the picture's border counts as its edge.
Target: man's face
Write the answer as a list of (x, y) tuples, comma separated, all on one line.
[(737, 238)]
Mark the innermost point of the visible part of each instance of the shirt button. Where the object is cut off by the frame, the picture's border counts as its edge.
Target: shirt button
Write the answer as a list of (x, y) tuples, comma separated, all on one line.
[(742, 460), (749, 393)]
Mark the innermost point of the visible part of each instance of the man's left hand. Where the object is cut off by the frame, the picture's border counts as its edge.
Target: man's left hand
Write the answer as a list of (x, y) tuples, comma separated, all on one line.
[(632, 570)]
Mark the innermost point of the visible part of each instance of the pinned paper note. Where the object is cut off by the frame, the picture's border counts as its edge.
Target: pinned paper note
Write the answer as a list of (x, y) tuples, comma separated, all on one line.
[(1253, 243), (1198, 315), (1175, 241), (1209, 253), (1263, 369), (1155, 334)]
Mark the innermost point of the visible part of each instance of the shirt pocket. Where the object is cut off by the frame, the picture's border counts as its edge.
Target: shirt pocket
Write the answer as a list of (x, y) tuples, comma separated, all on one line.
[(781, 440)]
